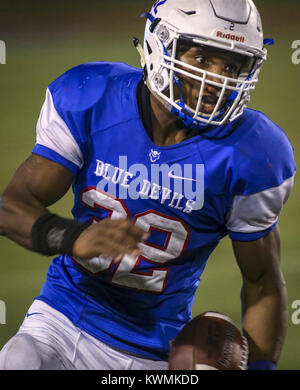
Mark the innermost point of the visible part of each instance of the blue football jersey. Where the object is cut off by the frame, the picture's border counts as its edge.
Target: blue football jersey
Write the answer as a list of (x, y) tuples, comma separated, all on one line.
[(233, 181)]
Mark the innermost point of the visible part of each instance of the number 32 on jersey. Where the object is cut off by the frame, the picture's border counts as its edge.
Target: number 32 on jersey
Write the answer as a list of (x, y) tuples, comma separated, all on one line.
[(126, 273)]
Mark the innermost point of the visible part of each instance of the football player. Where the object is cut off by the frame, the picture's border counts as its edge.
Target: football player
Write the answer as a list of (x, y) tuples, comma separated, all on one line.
[(164, 162)]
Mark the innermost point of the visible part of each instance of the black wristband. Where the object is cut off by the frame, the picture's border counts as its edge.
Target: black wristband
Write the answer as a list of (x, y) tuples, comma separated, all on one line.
[(52, 234)]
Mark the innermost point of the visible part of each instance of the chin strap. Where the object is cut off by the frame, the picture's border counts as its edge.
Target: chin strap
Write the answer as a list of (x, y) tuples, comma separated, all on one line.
[(140, 49), (184, 114)]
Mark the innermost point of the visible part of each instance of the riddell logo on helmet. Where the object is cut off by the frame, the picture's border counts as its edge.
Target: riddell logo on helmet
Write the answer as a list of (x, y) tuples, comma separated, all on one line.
[(232, 37)]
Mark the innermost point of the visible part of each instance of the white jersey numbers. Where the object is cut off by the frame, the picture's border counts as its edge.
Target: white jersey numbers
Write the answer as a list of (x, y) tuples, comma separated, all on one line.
[(149, 272)]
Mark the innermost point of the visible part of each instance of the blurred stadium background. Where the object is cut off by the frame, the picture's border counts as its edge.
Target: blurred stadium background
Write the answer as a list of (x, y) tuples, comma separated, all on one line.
[(44, 39)]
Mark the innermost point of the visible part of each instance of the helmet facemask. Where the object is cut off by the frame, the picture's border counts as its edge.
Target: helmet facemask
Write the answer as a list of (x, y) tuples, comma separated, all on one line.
[(227, 96)]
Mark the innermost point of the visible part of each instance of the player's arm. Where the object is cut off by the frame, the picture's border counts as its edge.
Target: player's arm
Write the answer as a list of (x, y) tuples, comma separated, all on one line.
[(264, 297), (39, 183)]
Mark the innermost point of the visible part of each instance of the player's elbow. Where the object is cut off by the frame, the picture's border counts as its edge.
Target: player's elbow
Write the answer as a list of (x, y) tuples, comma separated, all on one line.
[(5, 212), (10, 207), (2, 215), (268, 284)]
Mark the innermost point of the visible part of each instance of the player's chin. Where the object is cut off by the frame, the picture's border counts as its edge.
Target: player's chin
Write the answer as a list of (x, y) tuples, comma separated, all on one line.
[(208, 109)]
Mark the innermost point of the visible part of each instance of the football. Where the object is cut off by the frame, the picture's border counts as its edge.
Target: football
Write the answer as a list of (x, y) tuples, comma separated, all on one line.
[(210, 341)]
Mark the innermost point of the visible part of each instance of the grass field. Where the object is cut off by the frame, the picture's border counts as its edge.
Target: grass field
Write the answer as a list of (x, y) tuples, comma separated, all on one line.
[(37, 52)]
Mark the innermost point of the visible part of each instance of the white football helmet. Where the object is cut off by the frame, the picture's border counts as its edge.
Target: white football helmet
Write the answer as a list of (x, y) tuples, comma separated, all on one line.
[(231, 25)]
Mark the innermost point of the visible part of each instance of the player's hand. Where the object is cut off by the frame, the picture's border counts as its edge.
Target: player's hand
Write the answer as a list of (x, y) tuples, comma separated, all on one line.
[(111, 238)]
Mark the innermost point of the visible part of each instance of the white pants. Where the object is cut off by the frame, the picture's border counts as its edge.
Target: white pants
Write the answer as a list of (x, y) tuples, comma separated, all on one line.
[(48, 340)]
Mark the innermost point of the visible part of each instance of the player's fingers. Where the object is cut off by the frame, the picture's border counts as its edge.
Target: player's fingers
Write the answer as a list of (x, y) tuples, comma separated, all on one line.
[(110, 238), (122, 243), (129, 234), (124, 228), (119, 244), (137, 233), (131, 228), (131, 242)]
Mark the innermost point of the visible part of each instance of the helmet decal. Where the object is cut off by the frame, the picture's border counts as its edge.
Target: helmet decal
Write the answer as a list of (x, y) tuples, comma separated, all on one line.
[(157, 4)]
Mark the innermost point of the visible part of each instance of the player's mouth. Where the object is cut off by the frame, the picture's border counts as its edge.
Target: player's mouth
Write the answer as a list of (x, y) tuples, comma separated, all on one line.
[(208, 104)]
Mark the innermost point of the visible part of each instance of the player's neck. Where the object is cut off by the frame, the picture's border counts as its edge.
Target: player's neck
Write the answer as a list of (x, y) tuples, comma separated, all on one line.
[(167, 129)]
